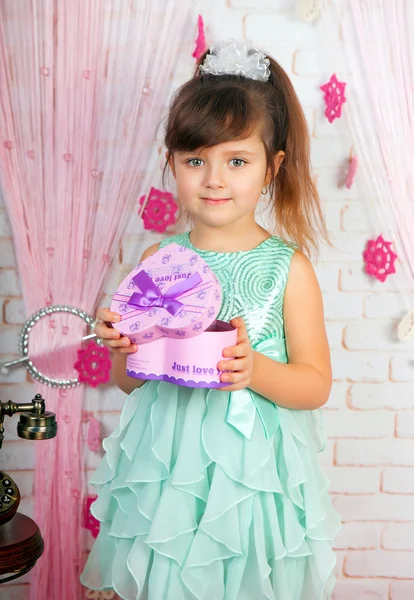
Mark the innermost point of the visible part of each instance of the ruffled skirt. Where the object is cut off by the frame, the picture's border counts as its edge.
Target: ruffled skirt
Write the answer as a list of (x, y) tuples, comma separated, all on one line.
[(190, 509)]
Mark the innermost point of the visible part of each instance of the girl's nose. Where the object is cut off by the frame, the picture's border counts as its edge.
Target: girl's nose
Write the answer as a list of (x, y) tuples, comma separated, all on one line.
[(214, 179)]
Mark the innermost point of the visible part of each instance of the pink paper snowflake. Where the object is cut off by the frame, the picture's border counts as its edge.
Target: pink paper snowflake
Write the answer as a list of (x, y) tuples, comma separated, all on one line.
[(89, 521), (93, 364), (347, 175), (379, 258), (159, 210), (334, 98), (201, 39)]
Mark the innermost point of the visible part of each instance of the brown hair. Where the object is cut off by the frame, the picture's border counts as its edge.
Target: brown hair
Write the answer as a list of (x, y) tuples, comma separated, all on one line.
[(212, 109)]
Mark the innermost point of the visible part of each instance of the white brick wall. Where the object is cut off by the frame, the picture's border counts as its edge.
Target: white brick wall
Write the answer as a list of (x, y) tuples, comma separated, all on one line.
[(402, 368), (361, 590), (369, 456), (380, 563), (387, 452), (398, 481), (398, 536), (402, 590), (389, 395)]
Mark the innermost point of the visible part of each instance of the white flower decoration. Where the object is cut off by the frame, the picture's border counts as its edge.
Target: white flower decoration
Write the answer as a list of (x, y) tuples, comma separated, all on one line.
[(405, 329), (308, 10), (233, 57)]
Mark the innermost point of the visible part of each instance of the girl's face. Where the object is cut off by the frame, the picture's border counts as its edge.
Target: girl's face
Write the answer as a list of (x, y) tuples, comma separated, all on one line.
[(222, 184)]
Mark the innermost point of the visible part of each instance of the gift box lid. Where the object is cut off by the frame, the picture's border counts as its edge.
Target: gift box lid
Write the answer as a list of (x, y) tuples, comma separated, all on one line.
[(173, 293)]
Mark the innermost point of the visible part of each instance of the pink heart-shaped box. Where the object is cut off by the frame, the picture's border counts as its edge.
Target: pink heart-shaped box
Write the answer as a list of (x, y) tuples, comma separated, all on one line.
[(191, 362), (168, 306), (147, 306)]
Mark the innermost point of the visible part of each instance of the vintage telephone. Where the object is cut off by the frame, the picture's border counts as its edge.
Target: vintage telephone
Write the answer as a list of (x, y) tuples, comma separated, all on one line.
[(20, 541)]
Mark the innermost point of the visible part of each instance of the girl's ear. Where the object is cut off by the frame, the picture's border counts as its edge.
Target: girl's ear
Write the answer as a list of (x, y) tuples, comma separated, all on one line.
[(278, 159), (170, 160)]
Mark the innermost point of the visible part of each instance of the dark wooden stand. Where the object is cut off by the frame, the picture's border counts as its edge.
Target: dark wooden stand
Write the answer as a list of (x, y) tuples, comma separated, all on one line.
[(20, 546)]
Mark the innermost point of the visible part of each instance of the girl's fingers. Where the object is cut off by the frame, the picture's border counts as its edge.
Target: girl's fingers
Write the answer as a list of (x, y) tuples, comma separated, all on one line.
[(236, 351), (129, 350), (233, 378), (240, 364), (241, 329), (104, 314), (111, 337), (121, 346), (121, 343), (106, 333)]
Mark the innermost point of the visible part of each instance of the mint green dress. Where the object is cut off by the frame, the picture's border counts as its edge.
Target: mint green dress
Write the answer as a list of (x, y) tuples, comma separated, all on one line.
[(208, 495)]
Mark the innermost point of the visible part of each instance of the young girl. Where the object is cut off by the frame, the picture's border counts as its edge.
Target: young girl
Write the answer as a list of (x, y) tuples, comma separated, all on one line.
[(218, 494)]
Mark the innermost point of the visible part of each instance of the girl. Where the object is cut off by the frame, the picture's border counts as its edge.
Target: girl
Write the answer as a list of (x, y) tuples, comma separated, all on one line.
[(218, 494)]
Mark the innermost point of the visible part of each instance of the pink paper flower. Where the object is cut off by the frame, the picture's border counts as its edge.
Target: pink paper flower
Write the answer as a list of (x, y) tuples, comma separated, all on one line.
[(94, 435), (159, 210), (89, 521), (93, 364), (353, 165), (379, 258), (200, 47), (334, 98)]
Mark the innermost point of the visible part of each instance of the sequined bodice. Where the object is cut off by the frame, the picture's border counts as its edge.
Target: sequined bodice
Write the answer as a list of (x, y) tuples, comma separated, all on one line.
[(253, 284)]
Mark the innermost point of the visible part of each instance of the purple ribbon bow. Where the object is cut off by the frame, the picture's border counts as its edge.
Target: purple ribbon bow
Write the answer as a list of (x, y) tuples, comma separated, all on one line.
[(152, 296)]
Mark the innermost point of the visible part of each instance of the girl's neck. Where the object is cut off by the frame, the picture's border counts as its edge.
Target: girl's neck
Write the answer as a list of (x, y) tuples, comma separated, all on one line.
[(227, 239)]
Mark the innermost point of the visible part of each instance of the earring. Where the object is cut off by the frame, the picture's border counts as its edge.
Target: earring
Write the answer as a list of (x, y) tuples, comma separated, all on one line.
[(265, 190)]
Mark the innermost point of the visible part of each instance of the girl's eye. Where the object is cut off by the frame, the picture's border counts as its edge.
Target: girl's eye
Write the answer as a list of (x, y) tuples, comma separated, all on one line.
[(195, 162), (238, 162)]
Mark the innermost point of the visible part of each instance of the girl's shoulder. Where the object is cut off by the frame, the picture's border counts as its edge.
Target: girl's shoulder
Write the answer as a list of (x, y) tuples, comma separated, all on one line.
[(280, 243), (181, 239), (280, 255)]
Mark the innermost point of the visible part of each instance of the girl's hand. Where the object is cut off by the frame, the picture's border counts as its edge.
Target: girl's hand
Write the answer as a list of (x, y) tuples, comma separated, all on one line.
[(242, 365), (112, 338)]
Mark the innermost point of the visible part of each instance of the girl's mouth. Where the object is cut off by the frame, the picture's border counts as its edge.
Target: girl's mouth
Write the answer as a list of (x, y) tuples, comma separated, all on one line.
[(215, 201)]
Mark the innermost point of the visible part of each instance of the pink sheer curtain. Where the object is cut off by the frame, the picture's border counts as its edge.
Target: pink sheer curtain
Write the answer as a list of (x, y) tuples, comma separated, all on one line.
[(377, 50), (82, 88)]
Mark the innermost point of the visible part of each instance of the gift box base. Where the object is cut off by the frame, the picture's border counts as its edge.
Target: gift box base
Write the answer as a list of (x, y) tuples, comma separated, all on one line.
[(187, 362), (179, 381)]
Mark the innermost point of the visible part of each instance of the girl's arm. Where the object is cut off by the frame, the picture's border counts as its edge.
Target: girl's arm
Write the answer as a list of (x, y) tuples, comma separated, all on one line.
[(119, 375), (305, 382)]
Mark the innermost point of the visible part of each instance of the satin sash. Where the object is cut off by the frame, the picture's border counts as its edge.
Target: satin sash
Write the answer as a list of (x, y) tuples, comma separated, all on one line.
[(245, 404)]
